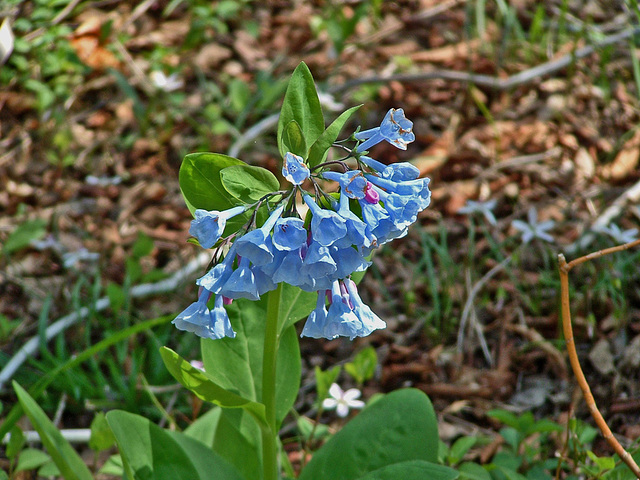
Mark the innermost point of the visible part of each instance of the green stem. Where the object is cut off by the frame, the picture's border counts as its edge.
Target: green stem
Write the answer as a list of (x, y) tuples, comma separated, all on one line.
[(271, 341)]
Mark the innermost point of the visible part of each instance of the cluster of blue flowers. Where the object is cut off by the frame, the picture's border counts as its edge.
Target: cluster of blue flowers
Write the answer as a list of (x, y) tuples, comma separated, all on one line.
[(376, 204)]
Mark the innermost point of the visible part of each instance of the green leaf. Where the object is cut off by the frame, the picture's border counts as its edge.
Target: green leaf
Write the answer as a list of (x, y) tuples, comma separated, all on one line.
[(295, 304), (399, 427), (24, 234), (238, 440), (16, 442), (64, 456), (201, 184), (363, 366), (243, 374), (293, 140), (113, 466), (324, 379), (101, 435), (204, 386), (320, 148), (204, 428), (302, 105), (473, 471), (151, 453), (247, 183), (30, 459), (460, 448), (412, 470)]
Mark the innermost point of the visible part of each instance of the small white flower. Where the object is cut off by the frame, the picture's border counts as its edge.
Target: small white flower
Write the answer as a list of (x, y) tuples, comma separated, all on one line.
[(71, 259), (164, 83), (342, 401), (197, 364), (533, 229), (485, 208), (619, 235)]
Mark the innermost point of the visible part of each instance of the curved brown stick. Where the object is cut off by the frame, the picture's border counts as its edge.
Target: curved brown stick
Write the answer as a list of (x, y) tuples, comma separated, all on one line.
[(573, 354)]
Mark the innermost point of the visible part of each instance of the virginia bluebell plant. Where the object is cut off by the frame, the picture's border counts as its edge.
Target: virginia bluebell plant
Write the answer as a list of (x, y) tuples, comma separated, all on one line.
[(285, 249), (375, 204)]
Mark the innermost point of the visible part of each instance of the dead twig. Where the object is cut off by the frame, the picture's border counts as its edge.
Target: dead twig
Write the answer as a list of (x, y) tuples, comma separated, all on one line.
[(573, 354), (501, 84)]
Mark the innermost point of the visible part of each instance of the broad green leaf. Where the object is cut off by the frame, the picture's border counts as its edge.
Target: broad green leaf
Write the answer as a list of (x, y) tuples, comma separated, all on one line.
[(293, 140), (204, 386), (302, 105), (113, 466), (473, 471), (247, 183), (101, 435), (203, 429), (64, 456), (460, 448), (24, 234), (30, 459), (16, 442), (412, 470), (399, 427), (200, 181), (295, 304), (238, 440), (320, 148), (236, 363), (151, 453)]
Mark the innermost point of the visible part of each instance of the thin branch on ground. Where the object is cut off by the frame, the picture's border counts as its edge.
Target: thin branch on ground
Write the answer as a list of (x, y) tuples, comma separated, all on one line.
[(573, 354), (501, 84), (469, 303), (30, 348)]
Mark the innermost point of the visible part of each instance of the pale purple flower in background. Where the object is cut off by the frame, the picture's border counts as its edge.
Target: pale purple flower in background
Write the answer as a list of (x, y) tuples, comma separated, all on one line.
[(619, 235), (342, 401), (532, 229), (485, 208)]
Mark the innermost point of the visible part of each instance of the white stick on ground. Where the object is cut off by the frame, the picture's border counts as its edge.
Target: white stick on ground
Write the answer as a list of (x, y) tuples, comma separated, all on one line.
[(144, 290)]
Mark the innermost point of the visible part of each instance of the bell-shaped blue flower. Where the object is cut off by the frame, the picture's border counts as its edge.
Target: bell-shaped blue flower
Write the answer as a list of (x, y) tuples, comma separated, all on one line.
[(357, 233), (205, 323), (290, 268), (241, 283), (256, 245), (352, 183), (314, 326), (373, 214), (264, 282), (398, 172), (294, 169), (348, 260), (341, 320), (370, 321), (208, 226), (402, 210), (289, 234), (326, 225), (395, 129), (318, 262), (215, 278)]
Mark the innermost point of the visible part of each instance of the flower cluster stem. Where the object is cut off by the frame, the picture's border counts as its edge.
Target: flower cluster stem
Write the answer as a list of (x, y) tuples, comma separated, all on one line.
[(565, 267), (271, 341)]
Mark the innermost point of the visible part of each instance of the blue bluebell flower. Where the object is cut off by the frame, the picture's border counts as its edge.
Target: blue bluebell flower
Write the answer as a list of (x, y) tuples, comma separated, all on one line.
[(341, 320), (205, 323), (352, 183), (241, 283), (326, 225), (398, 172), (395, 129), (215, 278), (289, 267), (264, 282), (348, 261), (256, 245), (294, 169), (418, 189), (372, 214), (208, 226), (403, 210), (358, 234), (289, 234), (318, 261), (370, 321), (314, 326)]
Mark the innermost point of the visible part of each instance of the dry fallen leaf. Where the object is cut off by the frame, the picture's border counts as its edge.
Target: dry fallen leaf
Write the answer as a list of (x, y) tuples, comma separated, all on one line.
[(626, 160)]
